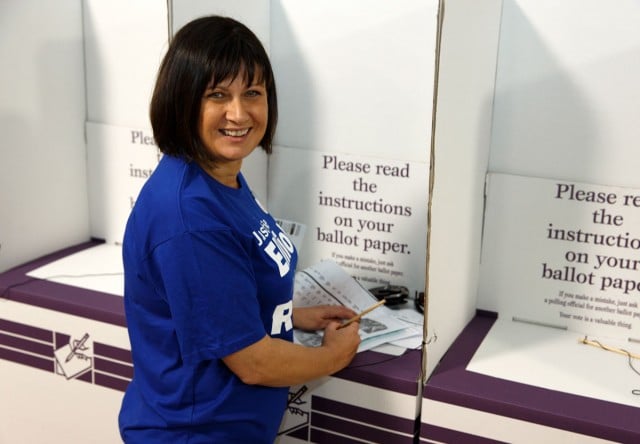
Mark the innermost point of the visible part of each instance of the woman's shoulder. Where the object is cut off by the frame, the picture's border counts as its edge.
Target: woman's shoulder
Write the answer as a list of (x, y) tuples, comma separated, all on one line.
[(176, 199)]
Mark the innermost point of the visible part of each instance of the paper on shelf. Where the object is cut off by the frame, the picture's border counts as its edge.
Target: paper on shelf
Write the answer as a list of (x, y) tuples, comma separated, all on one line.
[(326, 283)]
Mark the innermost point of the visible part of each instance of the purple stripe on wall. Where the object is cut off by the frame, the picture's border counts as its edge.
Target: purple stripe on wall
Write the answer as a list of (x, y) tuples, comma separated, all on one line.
[(86, 377), (348, 411), (30, 360), (62, 340), (110, 382), (320, 436), (301, 433), (431, 433), (26, 330), (109, 351), (27, 345), (357, 430), (105, 366)]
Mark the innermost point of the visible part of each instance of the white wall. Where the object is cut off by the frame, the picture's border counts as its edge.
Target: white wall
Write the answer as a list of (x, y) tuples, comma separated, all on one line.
[(567, 101), (253, 13), (353, 78), (43, 197), (124, 43)]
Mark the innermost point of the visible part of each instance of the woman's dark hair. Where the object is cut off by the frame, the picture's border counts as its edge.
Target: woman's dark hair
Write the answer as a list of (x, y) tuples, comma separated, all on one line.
[(207, 49)]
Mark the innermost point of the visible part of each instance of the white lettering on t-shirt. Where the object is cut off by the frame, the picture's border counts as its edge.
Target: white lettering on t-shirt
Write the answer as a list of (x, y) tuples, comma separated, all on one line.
[(282, 317), (262, 233), (280, 249)]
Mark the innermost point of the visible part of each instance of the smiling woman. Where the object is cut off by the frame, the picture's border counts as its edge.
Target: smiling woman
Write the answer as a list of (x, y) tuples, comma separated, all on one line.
[(208, 272)]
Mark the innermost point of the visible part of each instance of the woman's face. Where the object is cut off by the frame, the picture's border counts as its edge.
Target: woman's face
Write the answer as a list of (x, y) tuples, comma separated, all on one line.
[(233, 119)]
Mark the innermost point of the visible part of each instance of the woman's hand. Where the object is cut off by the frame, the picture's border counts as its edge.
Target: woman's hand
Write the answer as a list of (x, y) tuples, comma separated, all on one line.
[(343, 342), (318, 317), (277, 363)]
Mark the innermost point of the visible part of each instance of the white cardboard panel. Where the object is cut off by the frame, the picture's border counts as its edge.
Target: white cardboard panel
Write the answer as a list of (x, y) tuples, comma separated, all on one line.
[(462, 138), (497, 427), (567, 94), (356, 77), (119, 161), (39, 406), (124, 43), (43, 197), (253, 13), (370, 223), (562, 253), (559, 266)]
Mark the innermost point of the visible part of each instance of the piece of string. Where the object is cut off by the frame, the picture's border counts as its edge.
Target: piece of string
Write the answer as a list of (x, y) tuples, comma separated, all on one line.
[(630, 356)]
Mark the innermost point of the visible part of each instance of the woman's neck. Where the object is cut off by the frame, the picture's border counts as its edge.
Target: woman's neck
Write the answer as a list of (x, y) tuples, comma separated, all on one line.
[(226, 174)]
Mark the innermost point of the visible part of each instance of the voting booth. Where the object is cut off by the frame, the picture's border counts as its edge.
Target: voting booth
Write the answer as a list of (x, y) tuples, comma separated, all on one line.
[(479, 153), (550, 354)]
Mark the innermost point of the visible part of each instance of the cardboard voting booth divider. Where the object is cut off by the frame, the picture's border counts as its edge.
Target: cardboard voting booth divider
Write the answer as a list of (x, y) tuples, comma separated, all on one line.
[(550, 355)]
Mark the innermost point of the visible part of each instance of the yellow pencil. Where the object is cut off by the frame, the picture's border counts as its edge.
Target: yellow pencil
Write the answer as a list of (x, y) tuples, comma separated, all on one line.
[(364, 312)]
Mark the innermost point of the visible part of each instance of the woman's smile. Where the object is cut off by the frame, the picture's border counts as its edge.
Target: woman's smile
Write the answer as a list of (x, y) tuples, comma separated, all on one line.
[(235, 132)]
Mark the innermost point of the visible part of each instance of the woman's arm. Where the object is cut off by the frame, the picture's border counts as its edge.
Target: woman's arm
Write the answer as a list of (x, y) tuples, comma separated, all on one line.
[(277, 363)]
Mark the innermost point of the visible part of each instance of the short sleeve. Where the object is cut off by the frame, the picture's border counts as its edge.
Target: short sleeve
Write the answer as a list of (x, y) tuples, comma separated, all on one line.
[(211, 290)]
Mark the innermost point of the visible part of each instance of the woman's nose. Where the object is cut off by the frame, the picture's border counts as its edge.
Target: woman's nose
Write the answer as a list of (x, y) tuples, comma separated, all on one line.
[(236, 110)]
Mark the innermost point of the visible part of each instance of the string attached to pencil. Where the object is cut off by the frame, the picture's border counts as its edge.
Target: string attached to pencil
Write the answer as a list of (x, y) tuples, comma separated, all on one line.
[(630, 356)]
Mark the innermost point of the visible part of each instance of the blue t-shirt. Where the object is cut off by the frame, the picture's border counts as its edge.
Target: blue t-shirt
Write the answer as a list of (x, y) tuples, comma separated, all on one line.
[(207, 273)]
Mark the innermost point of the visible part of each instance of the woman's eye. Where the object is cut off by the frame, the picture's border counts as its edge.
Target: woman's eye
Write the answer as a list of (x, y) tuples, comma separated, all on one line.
[(215, 95), (253, 93)]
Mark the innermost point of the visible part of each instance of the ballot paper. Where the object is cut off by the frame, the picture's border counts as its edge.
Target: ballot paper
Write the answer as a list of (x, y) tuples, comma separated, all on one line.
[(326, 283)]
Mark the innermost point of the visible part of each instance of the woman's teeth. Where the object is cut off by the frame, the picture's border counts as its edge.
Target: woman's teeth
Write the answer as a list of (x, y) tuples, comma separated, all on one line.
[(235, 133)]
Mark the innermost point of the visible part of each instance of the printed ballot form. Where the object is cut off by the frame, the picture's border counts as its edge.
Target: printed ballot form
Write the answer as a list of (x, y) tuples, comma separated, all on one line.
[(326, 283)]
